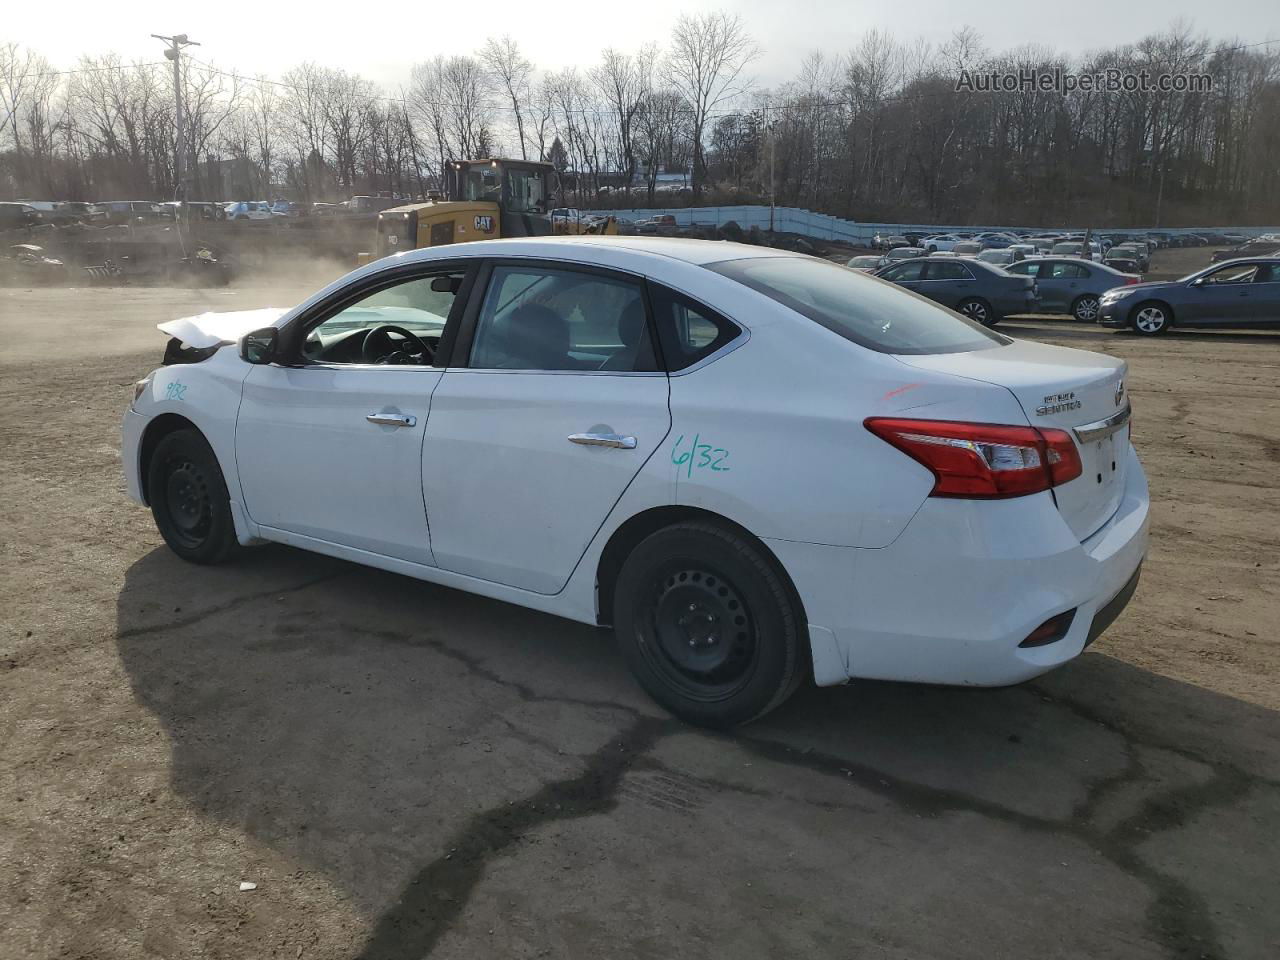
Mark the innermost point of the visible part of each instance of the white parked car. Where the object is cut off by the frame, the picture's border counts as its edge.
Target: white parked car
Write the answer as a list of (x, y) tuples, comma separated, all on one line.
[(940, 243), (755, 466), (249, 210)]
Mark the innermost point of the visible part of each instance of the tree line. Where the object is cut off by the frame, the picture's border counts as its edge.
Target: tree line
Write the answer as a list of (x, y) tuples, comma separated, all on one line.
[(879, 132)]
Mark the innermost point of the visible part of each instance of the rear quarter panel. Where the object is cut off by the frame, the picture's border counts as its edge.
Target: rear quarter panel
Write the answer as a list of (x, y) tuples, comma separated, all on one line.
[(771, 434)]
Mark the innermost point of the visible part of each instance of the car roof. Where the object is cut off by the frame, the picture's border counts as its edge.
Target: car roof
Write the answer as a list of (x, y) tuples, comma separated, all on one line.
[(697, 252)]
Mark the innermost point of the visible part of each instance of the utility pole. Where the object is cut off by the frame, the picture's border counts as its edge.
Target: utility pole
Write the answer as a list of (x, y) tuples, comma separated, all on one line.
[(174, 52)]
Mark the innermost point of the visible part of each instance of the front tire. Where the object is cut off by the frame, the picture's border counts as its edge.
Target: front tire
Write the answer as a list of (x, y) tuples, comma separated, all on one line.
[(1086, 308), (978, 310), (708, 625), (189, 499), (1150, 319)]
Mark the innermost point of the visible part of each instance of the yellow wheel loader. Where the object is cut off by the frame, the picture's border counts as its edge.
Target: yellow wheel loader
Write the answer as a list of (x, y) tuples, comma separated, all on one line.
[(486, 199)]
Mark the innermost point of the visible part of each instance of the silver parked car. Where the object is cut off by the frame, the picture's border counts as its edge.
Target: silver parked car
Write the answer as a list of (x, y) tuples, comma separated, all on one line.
[(1071, 285)]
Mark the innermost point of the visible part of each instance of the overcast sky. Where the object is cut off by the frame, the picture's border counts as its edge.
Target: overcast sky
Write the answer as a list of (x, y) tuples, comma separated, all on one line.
[(382, 41)]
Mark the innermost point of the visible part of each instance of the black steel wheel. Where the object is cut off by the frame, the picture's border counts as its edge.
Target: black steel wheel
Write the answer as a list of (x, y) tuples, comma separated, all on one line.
[(189, 498), (708, 625)]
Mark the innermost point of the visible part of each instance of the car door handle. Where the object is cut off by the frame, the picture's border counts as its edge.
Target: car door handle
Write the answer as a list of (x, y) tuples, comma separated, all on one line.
[(603, 440), (392, 419)]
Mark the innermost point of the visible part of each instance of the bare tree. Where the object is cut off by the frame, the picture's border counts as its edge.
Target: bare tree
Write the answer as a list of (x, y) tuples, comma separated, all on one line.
[(709, 53), (623, 82), (511, 71)]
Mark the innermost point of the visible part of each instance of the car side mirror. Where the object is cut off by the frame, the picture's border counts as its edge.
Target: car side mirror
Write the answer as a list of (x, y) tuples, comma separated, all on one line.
[(1197, 282), (259, 347)]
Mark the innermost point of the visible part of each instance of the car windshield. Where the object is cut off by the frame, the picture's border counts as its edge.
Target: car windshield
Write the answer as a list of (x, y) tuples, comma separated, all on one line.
[(870, 312)]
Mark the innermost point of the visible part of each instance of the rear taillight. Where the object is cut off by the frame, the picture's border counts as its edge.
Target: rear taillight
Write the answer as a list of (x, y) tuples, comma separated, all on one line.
[(1130, 281), (983, 460)]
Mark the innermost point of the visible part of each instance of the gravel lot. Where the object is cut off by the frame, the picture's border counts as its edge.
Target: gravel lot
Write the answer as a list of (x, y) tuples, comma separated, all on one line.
[(404, 770)]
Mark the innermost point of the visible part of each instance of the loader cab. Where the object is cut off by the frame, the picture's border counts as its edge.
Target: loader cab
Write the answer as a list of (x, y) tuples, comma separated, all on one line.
[(520, 189)]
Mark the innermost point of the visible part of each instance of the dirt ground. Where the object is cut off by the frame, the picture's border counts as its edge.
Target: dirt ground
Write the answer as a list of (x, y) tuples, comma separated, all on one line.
[(405, 770)]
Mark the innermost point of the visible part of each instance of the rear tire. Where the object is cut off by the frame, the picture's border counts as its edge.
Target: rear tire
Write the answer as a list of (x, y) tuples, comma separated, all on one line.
[(1150, 319), (1086, 308), (189, 499), (708, 625), (977, 309)]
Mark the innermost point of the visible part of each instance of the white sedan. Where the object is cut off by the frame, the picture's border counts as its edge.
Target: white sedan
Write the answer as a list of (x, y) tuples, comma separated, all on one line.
[(756, 467), (941, 242)]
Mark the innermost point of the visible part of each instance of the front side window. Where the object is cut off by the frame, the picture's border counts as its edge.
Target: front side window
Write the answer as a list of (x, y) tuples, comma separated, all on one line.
[(862, 309), (906, 271), (482, 183), (1236, 273), (536, 318), (400, 324)]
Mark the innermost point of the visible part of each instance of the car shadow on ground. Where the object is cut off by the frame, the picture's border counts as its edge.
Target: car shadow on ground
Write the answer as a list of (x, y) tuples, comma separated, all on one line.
[(403, 738)]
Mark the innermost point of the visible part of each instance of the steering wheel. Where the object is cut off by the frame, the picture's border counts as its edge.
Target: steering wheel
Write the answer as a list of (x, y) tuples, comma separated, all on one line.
[(380, 348)]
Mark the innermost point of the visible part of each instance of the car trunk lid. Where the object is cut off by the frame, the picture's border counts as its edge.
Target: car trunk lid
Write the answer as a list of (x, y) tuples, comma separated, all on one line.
[(1073, 390)]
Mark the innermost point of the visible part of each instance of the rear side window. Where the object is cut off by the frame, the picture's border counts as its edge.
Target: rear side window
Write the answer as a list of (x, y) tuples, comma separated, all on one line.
[(688, 331), (539, 318), (870, 312), (942, 270)]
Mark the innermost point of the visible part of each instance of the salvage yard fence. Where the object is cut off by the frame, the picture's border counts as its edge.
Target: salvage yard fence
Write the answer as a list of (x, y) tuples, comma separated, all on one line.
[(820, 226)]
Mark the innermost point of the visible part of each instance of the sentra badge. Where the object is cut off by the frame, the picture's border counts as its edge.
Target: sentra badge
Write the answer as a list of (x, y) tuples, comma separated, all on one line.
[(1057, 403)]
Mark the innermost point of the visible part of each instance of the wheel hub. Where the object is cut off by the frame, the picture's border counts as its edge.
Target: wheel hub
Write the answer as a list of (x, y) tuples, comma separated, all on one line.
[(188, 498), (702, 625)]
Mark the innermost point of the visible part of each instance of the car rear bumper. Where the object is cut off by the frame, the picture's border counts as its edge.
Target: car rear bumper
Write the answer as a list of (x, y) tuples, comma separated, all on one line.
[(967, 581)]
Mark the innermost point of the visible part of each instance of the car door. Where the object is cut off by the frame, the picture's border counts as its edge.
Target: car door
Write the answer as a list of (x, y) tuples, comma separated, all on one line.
[(1264, 306), (1224, 296), (553, 403), (329, 442), (947, 281), (1058, 282)]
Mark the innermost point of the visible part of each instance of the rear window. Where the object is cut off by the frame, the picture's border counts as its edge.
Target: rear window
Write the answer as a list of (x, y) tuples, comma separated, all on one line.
[(867, 311)]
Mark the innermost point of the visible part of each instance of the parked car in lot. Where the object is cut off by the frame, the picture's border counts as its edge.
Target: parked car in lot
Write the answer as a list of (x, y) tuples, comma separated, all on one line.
[(1234, 294), (1124, 265), (967, 248), (1138, 252), (1073, 248), (130, 211), (1252, 248), (1000, 258), (287, 208), (902, 253), (1070, 285), (14, 216), (867, 264), (889, 241), (939, 243), (249, 210), (656, 489), (978, 290)]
